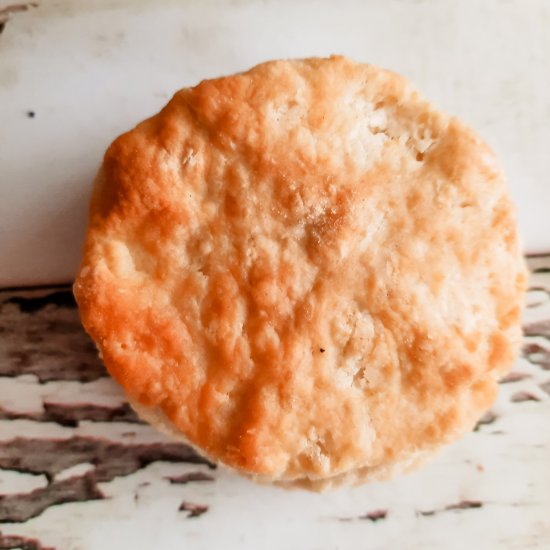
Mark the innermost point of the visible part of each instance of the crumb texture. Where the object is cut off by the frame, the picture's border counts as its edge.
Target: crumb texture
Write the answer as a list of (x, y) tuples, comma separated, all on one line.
[(306, 268)]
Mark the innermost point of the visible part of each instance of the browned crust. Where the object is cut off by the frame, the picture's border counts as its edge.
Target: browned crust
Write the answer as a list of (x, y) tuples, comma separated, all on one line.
[(306, 267)]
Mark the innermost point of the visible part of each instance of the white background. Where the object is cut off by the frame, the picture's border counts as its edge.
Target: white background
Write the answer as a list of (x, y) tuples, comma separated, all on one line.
[(92, 69)]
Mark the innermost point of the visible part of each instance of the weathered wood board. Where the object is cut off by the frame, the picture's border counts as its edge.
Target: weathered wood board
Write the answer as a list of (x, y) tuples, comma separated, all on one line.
[(78, 470)]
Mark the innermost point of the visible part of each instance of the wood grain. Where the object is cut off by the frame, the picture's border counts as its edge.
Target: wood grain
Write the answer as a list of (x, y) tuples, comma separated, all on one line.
[(59, 425)]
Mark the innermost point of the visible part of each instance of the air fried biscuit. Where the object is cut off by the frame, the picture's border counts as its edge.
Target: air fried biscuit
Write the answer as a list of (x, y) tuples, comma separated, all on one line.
[(306, 271)]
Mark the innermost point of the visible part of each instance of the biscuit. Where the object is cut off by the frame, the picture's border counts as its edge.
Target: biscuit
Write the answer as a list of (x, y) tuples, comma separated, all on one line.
[(306, 271)]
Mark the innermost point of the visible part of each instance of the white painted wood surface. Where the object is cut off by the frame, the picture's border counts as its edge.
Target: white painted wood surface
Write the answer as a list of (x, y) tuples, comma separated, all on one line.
[(65, 430), (90, 69), (72, 454)]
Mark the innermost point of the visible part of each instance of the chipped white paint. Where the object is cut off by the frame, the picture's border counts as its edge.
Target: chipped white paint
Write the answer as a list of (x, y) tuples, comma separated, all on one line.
[(78, 470), (17, 482), (101, 391), (90, 70)]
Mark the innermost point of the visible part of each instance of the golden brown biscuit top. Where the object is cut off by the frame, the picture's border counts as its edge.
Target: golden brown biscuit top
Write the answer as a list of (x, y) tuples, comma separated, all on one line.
[(306, 267)]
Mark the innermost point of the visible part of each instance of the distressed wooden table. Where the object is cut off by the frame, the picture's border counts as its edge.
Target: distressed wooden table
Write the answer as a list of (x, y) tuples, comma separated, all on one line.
[(78, 470)]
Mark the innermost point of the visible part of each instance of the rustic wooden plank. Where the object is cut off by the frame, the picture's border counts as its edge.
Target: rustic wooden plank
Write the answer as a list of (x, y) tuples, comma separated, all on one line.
[(41, 335), (42, 345), (14, 542), (50, 457), (72, 415)]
